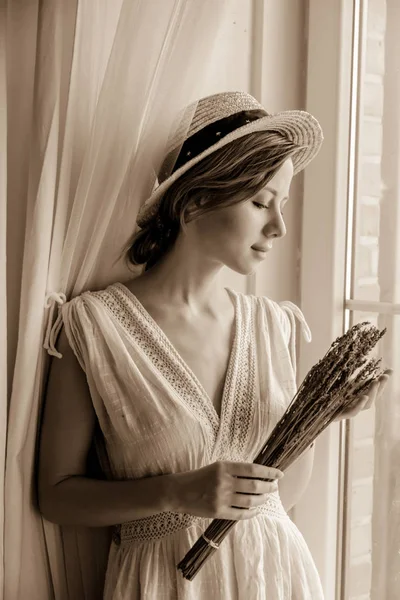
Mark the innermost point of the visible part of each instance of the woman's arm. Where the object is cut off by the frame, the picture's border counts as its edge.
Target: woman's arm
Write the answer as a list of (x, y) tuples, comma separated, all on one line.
[(297, 477), (66, 495)]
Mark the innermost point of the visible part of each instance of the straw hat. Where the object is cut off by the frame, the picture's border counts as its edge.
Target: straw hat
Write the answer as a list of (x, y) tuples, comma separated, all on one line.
[(218, 120)]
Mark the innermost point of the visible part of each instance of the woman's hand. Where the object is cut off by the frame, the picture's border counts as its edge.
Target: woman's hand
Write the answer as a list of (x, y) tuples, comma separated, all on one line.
[(364, 402), (224, 489)]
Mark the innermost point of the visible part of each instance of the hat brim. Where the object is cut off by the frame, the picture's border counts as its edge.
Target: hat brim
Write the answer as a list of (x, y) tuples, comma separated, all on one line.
[(297, 125)]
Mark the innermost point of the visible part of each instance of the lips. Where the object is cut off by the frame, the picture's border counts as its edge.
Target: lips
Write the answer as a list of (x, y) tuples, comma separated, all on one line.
[(262, 249)]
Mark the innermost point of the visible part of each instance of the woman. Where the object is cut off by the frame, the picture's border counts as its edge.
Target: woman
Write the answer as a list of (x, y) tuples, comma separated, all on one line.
[(184, 378)]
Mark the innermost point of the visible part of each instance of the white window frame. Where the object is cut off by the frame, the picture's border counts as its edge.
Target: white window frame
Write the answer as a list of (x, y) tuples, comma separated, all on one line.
[(319, 513), (336, 44)]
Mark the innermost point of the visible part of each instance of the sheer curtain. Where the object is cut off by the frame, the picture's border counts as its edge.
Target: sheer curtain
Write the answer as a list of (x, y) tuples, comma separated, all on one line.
[(89, 91)]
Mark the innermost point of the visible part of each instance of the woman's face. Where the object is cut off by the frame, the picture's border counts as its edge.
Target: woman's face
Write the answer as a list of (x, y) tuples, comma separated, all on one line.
[(240, 236)]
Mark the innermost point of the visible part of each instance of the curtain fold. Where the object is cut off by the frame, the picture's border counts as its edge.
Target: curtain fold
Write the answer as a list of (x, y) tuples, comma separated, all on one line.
[(3, 277), (103, 82)]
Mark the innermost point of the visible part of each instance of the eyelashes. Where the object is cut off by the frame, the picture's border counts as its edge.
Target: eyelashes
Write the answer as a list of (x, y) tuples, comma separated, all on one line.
[(261, 206)]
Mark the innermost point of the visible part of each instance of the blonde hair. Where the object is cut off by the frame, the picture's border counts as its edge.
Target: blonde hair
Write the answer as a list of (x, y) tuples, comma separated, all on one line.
[(229, 175)]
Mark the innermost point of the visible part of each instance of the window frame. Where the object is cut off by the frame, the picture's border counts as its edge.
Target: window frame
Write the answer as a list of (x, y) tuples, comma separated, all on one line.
[(327, 181), (336, 63)]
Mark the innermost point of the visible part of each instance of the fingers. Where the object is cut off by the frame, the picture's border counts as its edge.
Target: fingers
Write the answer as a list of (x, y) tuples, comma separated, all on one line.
[(353, 412), (246, 504), (383, 379), (254, 486), (369, 400), (253, 470), (248, 500), (250, 484), (375, 391), (364, 403)]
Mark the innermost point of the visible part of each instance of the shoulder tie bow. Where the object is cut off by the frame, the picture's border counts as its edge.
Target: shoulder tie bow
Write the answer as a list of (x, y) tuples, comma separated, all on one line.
[(291, 309), (52, 330)]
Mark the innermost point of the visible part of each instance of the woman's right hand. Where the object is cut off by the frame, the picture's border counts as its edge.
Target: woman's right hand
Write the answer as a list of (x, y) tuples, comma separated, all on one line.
[(224, 489)]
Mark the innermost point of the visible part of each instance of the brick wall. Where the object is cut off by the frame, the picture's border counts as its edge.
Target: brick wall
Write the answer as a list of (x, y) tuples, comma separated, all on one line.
[(367, 288)]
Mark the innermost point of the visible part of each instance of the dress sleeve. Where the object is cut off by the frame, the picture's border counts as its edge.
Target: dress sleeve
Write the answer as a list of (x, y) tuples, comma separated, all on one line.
[(287, 313)]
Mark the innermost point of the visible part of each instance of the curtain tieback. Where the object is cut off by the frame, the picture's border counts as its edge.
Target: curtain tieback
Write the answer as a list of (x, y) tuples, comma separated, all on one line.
[(52, 330), (295, 309)]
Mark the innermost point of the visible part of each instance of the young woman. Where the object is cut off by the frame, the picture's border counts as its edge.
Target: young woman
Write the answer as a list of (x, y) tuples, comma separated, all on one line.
[(179, 380)]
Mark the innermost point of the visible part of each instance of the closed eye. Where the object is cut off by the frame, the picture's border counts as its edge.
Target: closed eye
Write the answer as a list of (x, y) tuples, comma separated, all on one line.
[(260, 206)]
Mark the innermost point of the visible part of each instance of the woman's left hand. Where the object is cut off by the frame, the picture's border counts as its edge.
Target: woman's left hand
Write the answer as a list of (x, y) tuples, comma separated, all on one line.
[(364, 402)]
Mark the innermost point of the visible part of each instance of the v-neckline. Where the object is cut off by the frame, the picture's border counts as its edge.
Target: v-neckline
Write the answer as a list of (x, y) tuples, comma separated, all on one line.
[(232, 356)]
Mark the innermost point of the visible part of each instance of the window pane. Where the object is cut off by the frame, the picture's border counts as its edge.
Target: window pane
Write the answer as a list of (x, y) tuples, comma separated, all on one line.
[(372, 491), (376, 222), (373, 494)]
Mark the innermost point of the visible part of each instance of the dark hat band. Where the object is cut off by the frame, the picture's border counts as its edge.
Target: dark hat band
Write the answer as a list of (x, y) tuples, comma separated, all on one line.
[(209, 135)]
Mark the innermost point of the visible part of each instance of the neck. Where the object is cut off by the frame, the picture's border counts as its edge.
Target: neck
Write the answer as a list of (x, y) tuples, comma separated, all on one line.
[(186, 277)]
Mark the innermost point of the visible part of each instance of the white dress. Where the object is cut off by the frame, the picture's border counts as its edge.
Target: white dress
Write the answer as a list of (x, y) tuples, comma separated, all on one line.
[(155, 418)]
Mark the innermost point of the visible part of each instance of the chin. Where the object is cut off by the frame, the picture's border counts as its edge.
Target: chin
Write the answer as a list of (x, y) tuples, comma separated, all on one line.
[(242, 269)]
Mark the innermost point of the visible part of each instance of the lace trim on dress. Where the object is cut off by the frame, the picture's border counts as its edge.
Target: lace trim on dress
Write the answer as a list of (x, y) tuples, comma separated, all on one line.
[(156, 347), (167, 523), (230, 433), (236, 427)]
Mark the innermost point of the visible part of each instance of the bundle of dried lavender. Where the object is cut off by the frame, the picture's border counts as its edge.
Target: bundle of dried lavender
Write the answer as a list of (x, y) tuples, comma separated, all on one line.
[(329, 388)]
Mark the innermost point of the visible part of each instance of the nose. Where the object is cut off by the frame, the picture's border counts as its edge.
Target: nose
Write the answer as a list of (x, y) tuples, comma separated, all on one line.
[(275, 225)]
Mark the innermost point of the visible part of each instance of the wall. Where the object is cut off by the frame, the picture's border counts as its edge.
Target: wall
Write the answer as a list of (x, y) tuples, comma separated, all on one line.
[(284, 73), (282, 87)]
